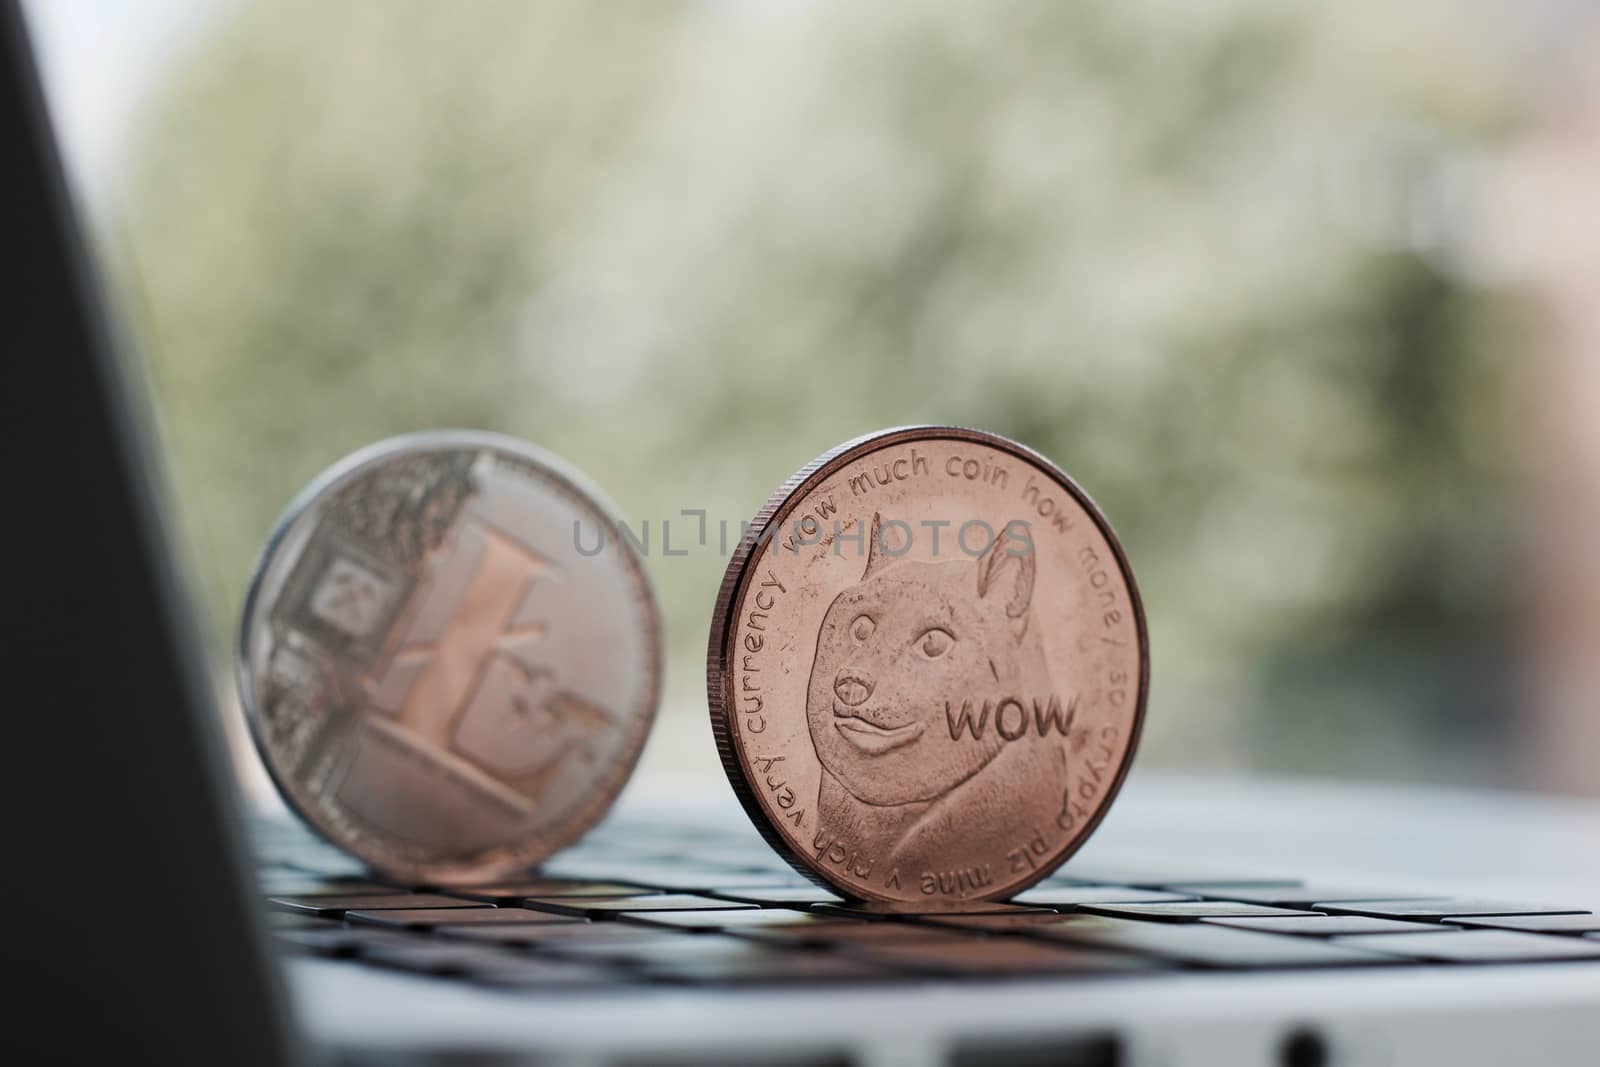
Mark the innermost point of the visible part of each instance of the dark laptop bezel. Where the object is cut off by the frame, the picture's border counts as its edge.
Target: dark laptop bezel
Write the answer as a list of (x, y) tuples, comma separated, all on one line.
[(133, 934)]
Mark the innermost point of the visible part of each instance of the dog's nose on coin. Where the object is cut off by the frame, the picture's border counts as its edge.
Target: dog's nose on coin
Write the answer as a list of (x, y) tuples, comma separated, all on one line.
[(852, 688)]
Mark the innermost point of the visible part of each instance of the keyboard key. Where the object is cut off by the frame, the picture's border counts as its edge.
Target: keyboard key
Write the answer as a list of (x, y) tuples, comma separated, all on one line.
[(430, 918), (989, 924), (880, 934), (778, 968), (1296, 896), (1000, 955), (1482, 946), (516, 892), (1328, 925), (876, 913), (1538, 924), (1185, 910), (654, 944), (540, 935), (1056, 896), (709, 959), (701, 921), (800, 928), (337, 906), (797, 896), (1202, 944), (1437, 908), (611, 907), (713, 958)]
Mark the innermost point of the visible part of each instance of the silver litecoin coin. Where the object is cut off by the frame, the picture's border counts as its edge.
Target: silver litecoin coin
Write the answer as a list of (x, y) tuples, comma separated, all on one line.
[(448, 657)]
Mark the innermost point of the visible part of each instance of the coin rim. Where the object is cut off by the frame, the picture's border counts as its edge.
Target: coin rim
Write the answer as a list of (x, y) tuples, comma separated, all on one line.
[(735, 584), (502, 859)]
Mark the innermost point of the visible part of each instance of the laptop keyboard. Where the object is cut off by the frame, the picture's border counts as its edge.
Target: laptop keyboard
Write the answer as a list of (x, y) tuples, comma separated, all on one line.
[(640, 902)]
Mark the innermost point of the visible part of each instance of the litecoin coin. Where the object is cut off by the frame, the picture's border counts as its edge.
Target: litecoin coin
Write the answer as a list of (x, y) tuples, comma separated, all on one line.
[(448, 657), (928, 668)]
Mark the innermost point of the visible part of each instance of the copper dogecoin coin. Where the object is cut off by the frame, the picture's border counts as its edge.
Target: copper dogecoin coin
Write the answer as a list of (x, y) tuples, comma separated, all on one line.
[(448, 658), (928, 667)]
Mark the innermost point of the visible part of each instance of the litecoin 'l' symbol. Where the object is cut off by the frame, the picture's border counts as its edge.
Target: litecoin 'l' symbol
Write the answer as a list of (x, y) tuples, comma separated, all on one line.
[(471, 612)]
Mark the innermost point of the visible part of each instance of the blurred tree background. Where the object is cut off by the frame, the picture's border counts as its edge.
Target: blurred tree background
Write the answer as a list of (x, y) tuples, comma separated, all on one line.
[(1211, 258)]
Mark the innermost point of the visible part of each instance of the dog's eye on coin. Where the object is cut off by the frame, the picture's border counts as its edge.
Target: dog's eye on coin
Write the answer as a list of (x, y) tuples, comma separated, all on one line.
[(935, 642), (862, 628)]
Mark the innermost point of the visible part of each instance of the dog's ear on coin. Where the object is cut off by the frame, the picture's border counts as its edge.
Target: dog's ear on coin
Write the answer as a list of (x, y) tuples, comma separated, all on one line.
[(1006, 570), (885, 546)]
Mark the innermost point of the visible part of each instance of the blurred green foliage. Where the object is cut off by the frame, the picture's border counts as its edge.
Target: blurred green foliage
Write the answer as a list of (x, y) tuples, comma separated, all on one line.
[(1207, 257)]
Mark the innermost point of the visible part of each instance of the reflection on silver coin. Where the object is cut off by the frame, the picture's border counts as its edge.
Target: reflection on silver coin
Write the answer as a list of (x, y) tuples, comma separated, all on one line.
[(443, 678)]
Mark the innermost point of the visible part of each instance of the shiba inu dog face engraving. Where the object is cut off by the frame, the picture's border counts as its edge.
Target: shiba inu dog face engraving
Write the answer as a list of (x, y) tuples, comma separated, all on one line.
[(927, 668), (902, 648)]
